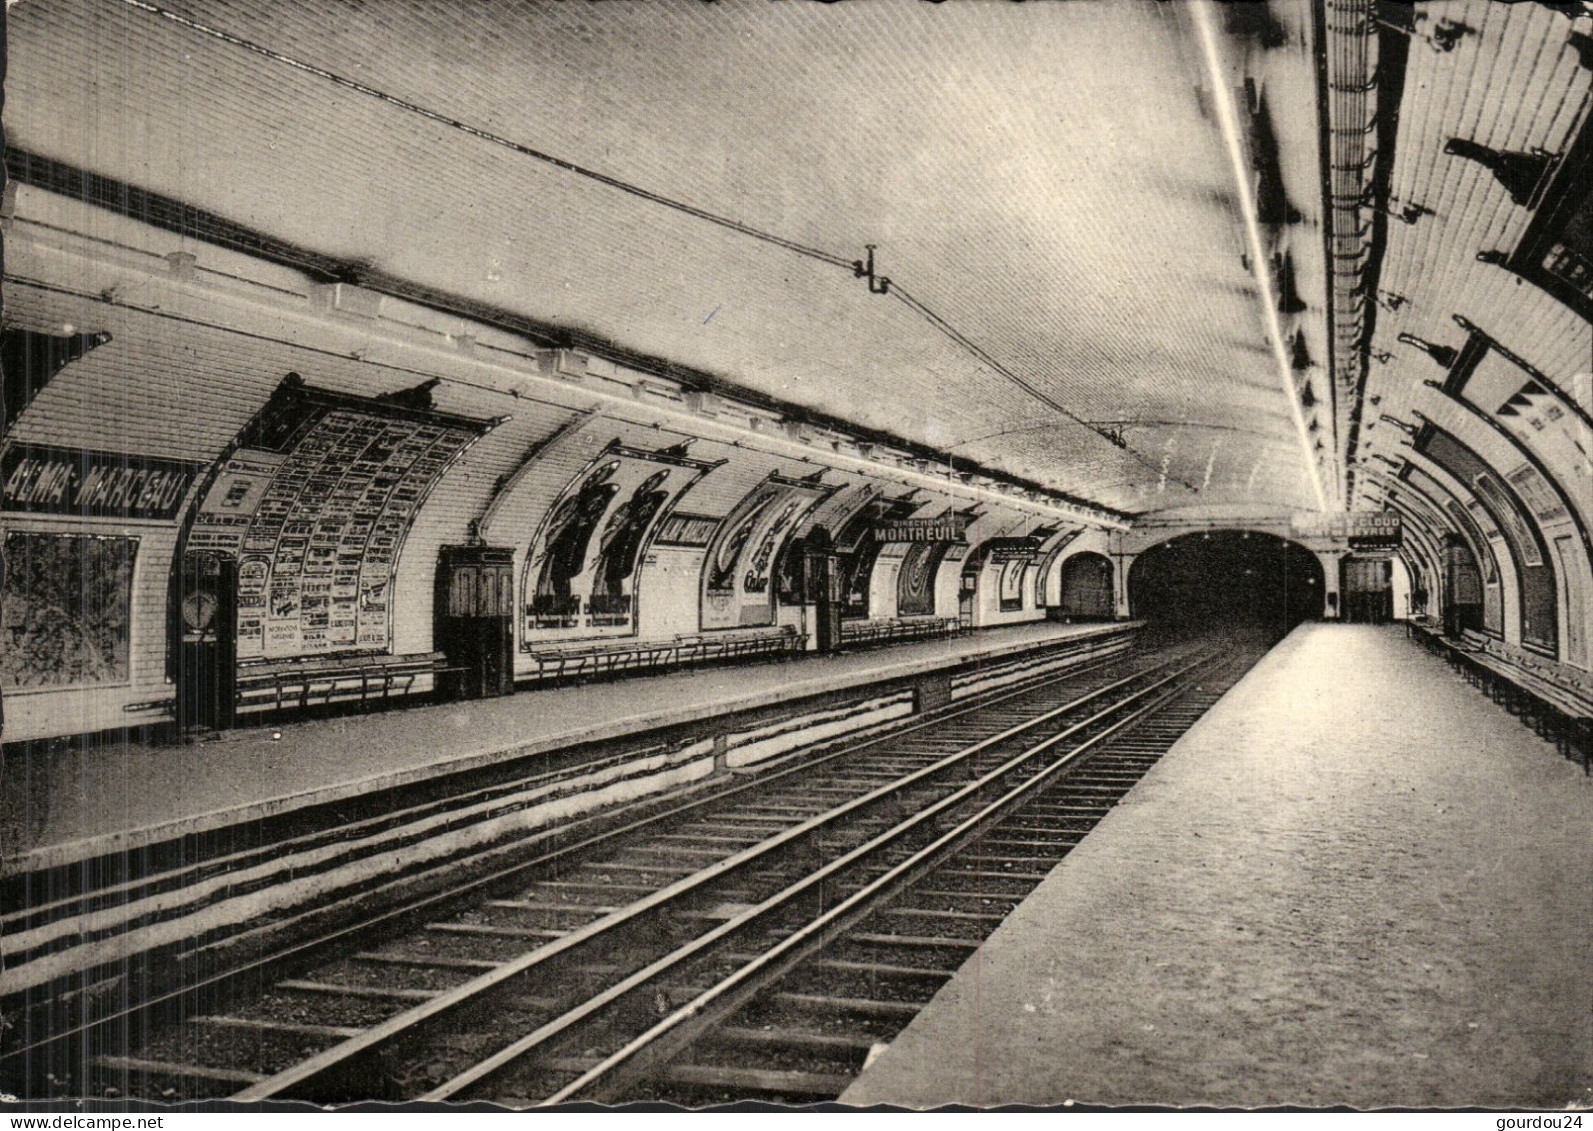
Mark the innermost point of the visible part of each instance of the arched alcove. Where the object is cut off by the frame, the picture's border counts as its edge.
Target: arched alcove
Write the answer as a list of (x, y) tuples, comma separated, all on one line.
[(1087, 587)]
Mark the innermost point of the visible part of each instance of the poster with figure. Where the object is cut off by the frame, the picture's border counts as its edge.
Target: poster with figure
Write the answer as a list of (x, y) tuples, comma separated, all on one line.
[(737, 579), (1011, 583), (619, 548), (580, 579)]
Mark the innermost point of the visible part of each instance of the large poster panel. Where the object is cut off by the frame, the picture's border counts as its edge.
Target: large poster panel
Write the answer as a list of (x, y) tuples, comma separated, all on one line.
[(1047, 562), (915, 584), (1011, 583), (580, 580), (737, 590), (1534, 575), (315, 501), (65, 610), (1575, 602)]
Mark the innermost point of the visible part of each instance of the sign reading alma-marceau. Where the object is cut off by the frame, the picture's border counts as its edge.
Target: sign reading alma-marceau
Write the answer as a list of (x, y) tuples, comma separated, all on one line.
[(39, 478)]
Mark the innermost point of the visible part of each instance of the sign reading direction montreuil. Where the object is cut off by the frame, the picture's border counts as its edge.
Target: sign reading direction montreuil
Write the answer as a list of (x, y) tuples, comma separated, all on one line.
[(949, 528), (49, 480)]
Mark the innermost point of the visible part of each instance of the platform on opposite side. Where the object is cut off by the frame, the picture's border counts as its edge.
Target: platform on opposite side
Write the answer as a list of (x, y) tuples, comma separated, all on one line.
[(1355, 881), (120, 797)]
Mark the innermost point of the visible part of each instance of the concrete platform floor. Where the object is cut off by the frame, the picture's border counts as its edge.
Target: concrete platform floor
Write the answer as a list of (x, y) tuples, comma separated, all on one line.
[(72, 804), (1355, 881)]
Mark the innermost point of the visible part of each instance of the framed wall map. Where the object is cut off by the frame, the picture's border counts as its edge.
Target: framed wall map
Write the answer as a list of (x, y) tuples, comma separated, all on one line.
[(65, 610)]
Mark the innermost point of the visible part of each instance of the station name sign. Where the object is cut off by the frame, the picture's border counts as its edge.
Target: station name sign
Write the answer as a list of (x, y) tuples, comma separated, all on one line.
[(41, 479), (1374, 531), (1362, 531), (951, 528)]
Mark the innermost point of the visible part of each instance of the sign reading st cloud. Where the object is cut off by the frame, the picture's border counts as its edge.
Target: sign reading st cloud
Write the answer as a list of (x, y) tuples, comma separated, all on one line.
[(1364, 529)]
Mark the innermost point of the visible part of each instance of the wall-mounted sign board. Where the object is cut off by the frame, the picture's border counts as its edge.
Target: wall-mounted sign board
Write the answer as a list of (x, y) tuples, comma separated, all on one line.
[(41, 479), (948, 528)]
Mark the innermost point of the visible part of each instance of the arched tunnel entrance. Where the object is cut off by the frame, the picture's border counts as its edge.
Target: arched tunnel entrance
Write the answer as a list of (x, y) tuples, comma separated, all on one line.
[(1226, 579), (1087, 587)]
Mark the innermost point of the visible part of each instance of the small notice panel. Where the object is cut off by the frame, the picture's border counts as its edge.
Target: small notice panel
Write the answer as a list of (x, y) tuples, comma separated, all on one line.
[(1012, 549)]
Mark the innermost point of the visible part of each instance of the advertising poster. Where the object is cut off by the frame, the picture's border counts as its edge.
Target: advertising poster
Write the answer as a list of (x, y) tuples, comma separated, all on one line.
[(581, 574)]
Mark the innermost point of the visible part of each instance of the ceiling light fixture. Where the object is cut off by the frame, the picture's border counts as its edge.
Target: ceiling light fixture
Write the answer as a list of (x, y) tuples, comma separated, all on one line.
[(1443, 355), (1227, 116)]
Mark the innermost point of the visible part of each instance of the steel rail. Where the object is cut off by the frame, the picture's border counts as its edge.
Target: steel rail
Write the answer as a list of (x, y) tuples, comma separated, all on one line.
[(627, 988), (302, 1079)]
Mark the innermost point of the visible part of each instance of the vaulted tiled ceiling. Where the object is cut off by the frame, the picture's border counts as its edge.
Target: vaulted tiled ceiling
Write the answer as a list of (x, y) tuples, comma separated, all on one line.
[(1054, 181), (1518, 79)]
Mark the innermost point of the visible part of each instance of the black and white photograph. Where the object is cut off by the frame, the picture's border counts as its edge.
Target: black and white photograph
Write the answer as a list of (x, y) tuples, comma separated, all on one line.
[(659, 556)]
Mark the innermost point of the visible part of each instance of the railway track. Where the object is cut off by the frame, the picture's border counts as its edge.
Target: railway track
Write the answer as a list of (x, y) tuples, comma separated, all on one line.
[(800, 1025), (516, 993)]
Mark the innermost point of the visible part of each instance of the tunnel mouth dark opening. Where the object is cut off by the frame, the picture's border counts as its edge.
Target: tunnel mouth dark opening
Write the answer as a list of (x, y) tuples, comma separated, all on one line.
[(1226, 580)]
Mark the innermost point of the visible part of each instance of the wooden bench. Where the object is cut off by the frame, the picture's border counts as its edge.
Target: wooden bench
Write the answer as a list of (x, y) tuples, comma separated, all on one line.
[(737, 643), (588, 658), (885, 630), (1420, 628), (1556, 704), (283, 685)]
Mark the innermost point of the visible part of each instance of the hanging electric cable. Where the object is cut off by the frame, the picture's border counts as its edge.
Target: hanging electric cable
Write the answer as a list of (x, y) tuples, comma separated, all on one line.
[(1038, 394)]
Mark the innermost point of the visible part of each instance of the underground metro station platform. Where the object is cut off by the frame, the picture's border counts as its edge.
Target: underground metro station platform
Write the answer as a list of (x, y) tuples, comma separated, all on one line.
[(870, 553)]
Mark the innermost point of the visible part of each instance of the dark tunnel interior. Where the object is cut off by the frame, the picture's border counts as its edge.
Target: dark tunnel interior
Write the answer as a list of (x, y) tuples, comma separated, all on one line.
[(1239, 580)]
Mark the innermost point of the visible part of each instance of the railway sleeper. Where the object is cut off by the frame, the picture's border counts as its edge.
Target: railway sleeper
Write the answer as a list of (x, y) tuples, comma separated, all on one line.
[(972, 871), (727, 1082), (826, 963), (497, 930), (773, 1056), (693, 837), (592, 910), (374, 993), (244, 1044), (912, 942), (848, 1046), (440, 961), (573, 886), (158, 1079), (1059, 844), (872, 1008)]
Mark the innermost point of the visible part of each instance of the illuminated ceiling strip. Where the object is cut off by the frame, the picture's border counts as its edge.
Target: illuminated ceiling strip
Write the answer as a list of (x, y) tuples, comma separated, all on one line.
[(1222, 97)]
